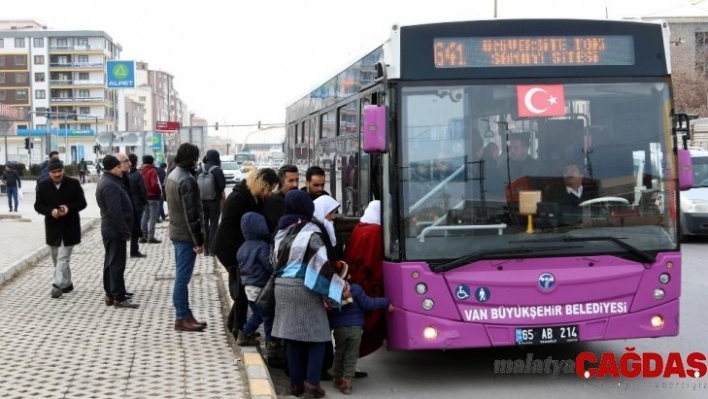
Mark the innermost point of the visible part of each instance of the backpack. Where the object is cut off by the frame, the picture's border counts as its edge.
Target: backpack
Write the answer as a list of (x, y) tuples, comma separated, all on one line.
[(207, 185)]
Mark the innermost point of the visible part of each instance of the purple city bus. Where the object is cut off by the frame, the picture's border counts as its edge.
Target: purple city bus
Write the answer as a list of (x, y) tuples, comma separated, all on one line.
[(529, 172)]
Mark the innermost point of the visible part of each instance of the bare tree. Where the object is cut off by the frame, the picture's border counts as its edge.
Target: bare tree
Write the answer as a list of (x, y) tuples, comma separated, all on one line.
[(689, 62)]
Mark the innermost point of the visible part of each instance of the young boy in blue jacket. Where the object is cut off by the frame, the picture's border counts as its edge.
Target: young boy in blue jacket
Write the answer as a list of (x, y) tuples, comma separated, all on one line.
[(348, 323), (253, 259)]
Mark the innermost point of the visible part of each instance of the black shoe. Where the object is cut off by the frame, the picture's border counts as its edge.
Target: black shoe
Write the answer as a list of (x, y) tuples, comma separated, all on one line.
[(153, 241), (68, 289), (360, 374), (142, 240), (138, 255)]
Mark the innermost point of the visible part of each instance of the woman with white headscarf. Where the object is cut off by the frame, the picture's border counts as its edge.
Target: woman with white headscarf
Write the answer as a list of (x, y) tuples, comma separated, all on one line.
[(325, 212), (364, 255)]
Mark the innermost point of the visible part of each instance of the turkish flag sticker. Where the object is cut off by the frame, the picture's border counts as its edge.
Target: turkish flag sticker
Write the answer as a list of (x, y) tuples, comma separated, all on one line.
[(539, 101)]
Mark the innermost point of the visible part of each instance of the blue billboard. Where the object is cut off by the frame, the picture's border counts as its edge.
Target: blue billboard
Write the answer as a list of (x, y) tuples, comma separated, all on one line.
[(120, 74)]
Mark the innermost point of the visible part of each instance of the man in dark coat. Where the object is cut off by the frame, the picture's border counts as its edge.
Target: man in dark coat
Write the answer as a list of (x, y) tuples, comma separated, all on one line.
[(212, 207), (138, 194), (60, 199), (576, 190), (117, 220), (274, 206), (245, 197)]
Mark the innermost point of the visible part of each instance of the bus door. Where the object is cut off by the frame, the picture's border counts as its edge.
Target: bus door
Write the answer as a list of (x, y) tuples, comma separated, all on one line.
[(302, 141)]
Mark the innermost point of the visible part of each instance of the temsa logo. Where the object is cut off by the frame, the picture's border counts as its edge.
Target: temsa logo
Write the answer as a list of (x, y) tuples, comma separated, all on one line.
[(647, 365)]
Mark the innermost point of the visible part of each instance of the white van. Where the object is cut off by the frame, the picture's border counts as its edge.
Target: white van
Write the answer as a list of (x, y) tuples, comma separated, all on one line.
[(694, 202)]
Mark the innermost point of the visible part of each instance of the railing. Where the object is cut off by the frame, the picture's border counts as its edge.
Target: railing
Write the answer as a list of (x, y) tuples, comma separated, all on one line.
[(76, 65), (76, 47), (77, 82), (499, 227), (78, 99)]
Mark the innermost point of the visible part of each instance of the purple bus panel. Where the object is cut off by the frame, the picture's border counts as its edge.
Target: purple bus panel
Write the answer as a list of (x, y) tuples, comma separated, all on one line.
[(489, 303)]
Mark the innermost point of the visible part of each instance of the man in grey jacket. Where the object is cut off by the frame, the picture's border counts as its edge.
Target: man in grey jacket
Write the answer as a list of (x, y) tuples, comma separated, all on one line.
[(186, 231), (116, 227)]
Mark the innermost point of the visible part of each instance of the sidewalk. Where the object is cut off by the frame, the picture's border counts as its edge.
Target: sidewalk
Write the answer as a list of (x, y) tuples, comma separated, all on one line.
[(76, 347)]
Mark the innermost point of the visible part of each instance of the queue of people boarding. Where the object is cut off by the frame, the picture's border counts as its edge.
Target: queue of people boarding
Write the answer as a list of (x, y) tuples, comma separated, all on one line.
[(269, 227), (264, 229)]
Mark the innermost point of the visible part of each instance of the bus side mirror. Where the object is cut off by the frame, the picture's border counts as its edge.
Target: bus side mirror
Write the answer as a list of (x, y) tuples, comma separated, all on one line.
[(375, 129), (685, 170)]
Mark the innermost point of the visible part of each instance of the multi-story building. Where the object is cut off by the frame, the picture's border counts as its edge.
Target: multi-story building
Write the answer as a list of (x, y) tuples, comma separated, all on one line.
[(58, 78)]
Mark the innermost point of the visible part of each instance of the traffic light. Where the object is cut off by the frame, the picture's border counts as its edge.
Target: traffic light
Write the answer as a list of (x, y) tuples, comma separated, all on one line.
[(27, 143), (216, 125)]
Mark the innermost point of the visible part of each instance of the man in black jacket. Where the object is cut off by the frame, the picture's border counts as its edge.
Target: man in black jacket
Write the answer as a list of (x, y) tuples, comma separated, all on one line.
[(274, 208), (212, 206), (315, 182), (138, 194), (117, 219), (60, 199)]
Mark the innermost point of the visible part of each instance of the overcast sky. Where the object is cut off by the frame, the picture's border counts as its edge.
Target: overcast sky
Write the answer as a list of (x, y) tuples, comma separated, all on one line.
[(239, 61)]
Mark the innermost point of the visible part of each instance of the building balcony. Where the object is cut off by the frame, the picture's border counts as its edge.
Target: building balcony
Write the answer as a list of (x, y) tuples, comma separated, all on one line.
[(76, 49), (69, 66), (68, 101), (68, 84)]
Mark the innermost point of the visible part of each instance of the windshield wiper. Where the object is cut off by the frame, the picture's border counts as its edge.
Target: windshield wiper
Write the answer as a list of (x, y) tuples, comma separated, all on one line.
[(644, 256), (490, 253)]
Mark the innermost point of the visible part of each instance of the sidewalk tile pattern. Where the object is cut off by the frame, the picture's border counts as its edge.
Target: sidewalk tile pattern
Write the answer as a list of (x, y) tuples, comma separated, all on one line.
[(76, 347)]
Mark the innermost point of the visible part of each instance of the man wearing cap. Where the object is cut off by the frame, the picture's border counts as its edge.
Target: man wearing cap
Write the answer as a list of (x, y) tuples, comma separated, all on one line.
[(116, 227), (60, 199)]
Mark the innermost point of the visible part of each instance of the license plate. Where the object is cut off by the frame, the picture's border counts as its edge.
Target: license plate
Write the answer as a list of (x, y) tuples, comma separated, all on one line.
[(547, 335)]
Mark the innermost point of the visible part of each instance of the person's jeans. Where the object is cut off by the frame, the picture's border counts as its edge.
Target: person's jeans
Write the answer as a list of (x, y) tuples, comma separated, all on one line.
[(212, 211), (258, 317), (184, 260), (12, 194), (60, 258), (149, 219), (305, 361), (114, 268)]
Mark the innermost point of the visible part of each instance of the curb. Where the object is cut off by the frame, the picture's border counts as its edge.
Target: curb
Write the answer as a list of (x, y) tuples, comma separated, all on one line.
[(37, 255), (260, 384)]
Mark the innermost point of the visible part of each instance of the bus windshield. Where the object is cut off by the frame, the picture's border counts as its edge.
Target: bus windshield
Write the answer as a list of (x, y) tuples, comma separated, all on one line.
[(582, 158)]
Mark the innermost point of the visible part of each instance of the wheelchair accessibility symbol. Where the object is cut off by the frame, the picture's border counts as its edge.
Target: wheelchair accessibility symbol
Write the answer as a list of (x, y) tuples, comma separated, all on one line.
[(462, 292)]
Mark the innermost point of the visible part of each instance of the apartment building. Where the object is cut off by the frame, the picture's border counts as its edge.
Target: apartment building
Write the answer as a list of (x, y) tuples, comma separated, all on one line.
[(57, 77)]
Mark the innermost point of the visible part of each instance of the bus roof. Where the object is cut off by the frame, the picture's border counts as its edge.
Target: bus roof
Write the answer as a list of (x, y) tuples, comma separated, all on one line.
[(391, 45)]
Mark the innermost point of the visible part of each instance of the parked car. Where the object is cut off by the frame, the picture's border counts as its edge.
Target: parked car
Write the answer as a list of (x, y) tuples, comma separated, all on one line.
[(694, 202), (232, 172)]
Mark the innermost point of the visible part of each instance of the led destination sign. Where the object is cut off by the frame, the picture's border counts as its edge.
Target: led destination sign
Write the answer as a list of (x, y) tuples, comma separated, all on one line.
[(530, 51)]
